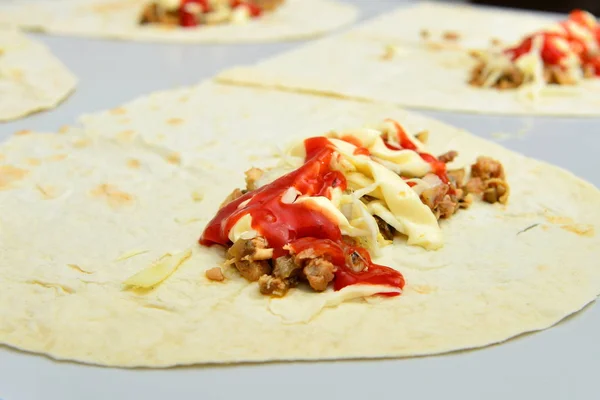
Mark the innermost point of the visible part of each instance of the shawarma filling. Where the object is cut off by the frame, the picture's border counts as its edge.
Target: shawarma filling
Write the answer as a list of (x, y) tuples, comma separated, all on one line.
[(340, 199), (562, 54), (191, 13)]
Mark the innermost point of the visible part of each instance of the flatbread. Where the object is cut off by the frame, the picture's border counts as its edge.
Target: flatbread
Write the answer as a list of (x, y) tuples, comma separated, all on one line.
[(295, 19), (502, 271), (31, 78), (386, 60)]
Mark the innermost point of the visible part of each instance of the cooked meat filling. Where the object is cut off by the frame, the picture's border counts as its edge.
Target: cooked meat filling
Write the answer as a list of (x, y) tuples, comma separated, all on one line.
[(251, 257), (488, 181), (155, 14), (386, 230)]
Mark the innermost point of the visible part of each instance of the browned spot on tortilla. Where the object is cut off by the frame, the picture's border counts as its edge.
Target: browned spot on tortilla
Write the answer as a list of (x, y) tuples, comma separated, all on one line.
[(175, 121), (434, 46), (118, 111), (56, 157), (125, 136), (47, 191), (81, 143), (133, 163), (495, 41), (174, 158), (34, 162), (23, 132), (545, 227), (388, 53), (424, 33), (451, 35), (557, 219), (424, 289), (112, 195), (184, 99), (542, 268), (64, 129), (580, 229), (10, 175)]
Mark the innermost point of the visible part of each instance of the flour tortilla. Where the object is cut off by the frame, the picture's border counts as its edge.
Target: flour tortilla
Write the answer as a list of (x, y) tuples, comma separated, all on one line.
[(31, 78), (60, 278), (118, 19), (418, 73)]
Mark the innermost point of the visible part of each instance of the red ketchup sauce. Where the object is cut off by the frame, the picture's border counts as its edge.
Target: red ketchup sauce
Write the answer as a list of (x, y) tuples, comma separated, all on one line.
[(552, 55), (187, 19), (299, 225)]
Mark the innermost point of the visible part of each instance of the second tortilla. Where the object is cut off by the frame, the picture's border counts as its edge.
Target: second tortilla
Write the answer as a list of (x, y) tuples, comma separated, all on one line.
[(146, 177), (386, 60), (31, 78), (294, 19)]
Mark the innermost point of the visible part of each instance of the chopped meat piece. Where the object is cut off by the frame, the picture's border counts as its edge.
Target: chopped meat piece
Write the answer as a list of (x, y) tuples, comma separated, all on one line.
[(447, 157), (319, 272), (457, 176), (356, 262), (215, 274), (450, 35), (497, 190), (510, 78), (252, 175), (248, 257), (447, 207), (286, 267), (153, 13), (488, 179), (423, 137), (487, 168), (433, 196), (475, 186), (466, 201), (273, 286), (385, 229), (237, 193)]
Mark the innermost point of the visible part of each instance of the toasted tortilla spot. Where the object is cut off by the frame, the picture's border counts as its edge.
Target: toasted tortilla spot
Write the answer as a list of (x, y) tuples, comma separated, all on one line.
[(580, 229), (555, 219), (118, 111), (10, 175), (175, 121), (184, 99), (23, 132), (64, 129), (47, 191), (542, 268), (34, 162), (133, 163), (174, 158), (114, 196), (388, 53), (125, 136), (56, 157), (81, 143)]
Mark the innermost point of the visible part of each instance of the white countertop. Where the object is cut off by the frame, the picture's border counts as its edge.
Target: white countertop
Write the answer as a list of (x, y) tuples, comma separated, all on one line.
[(559, 363)]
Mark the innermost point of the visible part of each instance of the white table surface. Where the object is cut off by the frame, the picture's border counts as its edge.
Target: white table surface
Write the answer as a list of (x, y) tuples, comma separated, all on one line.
[(559, 363)]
